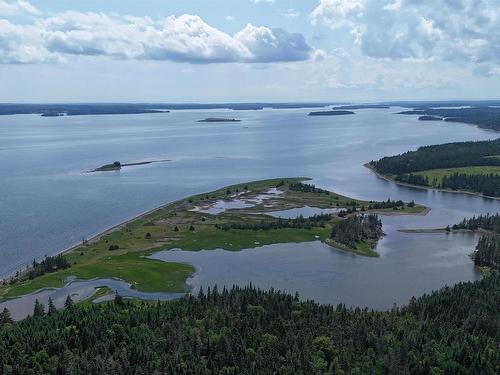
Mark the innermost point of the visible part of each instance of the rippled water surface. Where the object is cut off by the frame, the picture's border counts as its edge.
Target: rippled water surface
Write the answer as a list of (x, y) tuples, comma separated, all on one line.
[(48, 202)]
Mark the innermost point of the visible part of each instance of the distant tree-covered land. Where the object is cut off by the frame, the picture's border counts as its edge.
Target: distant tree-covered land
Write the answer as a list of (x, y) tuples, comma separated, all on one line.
[(362, 106), (330, 113), (470, 166), (483, 115), (430, 118), (50, 110), (219, 119)]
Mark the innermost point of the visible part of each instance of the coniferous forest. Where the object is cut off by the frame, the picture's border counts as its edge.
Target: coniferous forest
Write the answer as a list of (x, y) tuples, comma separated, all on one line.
[(448, 155), (404, 167), (357, 228), (247, 331), (455, 330)]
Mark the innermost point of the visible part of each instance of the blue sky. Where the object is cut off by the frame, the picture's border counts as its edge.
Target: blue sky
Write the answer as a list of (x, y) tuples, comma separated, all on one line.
[(248, 50)]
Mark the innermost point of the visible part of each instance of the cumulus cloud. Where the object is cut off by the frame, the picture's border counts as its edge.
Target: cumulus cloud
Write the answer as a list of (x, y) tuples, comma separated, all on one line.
[(186, 38), (464, 31)]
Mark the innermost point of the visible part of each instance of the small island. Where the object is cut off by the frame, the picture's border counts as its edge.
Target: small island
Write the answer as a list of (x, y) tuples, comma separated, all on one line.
[(52, 114), (430, 118), (116, 166), (219, 119), (363, 106), (331, 113)]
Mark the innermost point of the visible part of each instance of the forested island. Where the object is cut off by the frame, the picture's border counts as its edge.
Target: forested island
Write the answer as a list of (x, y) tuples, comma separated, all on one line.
[(330, 113), (219, 119), (430, 118), (116, 166), (362, 106), (461, 166), (189, 224), (484, 115)]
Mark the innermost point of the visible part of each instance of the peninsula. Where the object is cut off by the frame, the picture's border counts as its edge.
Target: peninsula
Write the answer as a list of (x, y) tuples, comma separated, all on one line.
[(198, 222), (470, 167), (116, 166)]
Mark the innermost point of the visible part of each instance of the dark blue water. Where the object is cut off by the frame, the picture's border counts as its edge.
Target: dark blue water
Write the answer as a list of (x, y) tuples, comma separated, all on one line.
[(48, 202)]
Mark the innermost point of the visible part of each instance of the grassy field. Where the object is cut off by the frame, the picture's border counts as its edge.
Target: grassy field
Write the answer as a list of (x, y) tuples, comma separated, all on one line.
[(181, 225), (435, 176)]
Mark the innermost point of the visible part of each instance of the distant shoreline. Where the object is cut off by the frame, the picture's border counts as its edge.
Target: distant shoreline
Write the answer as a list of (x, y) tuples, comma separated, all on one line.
[(390, 179)]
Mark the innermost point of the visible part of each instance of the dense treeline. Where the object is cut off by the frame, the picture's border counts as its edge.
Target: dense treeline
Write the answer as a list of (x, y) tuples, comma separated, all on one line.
[(300, 222), (449, 155), (248, 331), (389, 204), (414, 179), (484, 117), (487, 252), (357, 228), (486, 222), (307, 188), (487, 184), (47, 265)]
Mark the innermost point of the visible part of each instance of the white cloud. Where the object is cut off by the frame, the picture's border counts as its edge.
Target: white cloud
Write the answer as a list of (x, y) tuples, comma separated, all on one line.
[(186, 38), (263, 1), (292, 13), (229, 18), (464, 32), (337, 13), (17, 7)]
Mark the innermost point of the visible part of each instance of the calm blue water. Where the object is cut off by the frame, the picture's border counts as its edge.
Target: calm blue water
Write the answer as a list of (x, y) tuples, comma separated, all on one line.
[(48, 203)]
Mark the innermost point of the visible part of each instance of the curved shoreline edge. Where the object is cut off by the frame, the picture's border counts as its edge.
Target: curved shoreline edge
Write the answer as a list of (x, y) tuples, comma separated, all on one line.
[(129, 259), (390, 179)]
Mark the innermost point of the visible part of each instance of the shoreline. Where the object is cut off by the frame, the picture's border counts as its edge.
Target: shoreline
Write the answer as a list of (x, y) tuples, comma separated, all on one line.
[(98, 235), (390, 179)]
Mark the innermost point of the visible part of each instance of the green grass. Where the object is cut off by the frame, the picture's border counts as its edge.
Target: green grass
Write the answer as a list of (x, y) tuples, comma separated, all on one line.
[(362, 248), (154, 231), (147, 275), (237, 239), (435, 176)]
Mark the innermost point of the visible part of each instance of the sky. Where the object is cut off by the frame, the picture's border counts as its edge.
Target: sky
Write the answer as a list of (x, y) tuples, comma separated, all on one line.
[(210, 51)]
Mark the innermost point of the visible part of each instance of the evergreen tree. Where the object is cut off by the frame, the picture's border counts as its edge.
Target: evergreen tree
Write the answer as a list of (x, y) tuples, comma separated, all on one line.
[(5, 317), (52, 308), (39, 309), (68, 303)]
